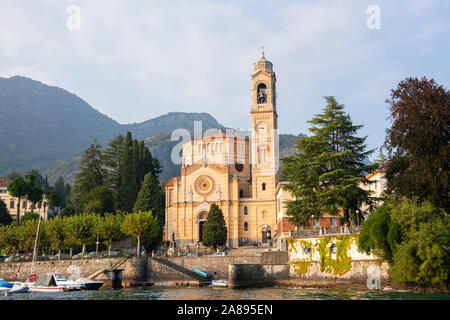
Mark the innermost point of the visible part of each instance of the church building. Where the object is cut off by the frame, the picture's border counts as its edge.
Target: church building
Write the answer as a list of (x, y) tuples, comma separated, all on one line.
[(239, 174)]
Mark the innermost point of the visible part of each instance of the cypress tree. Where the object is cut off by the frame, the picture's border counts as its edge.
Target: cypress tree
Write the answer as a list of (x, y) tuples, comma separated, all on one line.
[(112, 161), (215, 229), (137, 178), (149, 197), (127, 180), (60, 191)]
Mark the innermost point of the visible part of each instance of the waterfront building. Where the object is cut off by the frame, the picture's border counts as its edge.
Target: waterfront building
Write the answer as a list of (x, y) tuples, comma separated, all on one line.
[(377, 187), (25, 205)]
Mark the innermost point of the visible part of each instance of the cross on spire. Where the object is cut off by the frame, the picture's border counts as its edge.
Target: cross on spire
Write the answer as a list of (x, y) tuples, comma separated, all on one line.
[(262, 49)]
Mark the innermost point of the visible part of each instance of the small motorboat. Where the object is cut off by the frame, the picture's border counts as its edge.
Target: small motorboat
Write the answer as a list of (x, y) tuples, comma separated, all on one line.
[(19, 287), (71, 285), (89, 284), (202, 273), (47, 283), (219, 283)]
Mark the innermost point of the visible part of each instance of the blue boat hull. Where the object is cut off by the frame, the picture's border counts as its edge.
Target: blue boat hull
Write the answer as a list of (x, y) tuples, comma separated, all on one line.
[(5, 284), (202, 273)]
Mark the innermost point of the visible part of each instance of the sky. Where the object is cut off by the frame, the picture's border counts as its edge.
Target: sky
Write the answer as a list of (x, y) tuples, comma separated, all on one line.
[(135, 60)]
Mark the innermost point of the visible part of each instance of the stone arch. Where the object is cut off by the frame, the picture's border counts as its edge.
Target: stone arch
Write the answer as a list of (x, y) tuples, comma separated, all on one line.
[(200, 219)]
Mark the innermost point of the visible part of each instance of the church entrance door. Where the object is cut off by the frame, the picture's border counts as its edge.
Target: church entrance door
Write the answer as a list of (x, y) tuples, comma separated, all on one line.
[(263, 236)]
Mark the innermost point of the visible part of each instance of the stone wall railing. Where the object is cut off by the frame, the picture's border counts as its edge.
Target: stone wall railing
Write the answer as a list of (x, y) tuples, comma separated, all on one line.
[(322, 231)]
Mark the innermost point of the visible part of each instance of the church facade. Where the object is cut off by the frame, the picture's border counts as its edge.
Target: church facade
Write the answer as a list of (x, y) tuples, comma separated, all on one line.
[(238, 173)]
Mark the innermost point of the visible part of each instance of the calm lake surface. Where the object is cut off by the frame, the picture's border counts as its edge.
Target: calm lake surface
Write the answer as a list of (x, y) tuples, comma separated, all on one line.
[(208, 293)]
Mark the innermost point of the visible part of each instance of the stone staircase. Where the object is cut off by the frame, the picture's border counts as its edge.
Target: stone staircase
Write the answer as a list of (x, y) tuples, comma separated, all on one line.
[(100, 271), (183, 272)]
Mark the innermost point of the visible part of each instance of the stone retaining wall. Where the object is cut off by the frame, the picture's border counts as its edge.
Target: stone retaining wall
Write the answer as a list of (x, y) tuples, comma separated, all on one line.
[(68, 267), (216, 266), (254, 275), (359, 272)]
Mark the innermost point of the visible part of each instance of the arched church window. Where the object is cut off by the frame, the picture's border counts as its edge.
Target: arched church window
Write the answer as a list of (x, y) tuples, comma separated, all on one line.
[(262, 93), (245, 226), (264, 186), (245, 210), (241, 193)]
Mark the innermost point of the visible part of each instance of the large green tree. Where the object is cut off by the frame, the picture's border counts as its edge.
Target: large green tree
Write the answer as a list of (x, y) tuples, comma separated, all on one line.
[(111, 157), (215, 229), (418, 141), (80, 230), (142, 226), (37, 178), (91, 169), (328, 169), (150, 197), (109, 229), (59, 188), (53, 200), (127, 197), (413, 237), (18, 188), (136, 162), (5, 217), (9, 238), (98, 200), (57, 234)]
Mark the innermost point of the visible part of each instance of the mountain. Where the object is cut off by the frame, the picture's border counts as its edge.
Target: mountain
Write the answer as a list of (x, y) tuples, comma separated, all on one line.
[(41, 124), (47, 128)]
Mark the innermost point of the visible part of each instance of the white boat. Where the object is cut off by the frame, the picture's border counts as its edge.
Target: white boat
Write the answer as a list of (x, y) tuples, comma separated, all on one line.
[(71, 285), (19, 287), (47, 283), (219, 283)]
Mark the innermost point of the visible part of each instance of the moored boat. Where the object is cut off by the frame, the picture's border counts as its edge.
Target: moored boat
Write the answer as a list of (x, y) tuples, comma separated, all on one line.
[(71, 285), (202, 273), (219, 283), (90, 284), (47, 283), (6, 284), (19, 287)]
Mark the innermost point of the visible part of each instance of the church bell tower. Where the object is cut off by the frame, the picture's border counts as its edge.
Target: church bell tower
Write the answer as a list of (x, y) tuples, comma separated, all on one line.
[(265, 146)]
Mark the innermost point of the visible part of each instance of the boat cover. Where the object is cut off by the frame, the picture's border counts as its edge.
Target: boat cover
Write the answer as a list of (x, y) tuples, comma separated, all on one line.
[(45, 281)]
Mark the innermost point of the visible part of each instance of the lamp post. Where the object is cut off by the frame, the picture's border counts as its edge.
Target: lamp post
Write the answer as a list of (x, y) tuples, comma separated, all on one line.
[(96, 247)]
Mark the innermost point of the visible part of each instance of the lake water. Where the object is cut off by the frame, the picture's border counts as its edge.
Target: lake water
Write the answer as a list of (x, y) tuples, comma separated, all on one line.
[(191, 293)]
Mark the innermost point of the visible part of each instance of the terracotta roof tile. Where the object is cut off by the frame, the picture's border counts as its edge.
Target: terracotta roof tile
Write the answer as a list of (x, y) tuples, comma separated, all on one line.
[(4, 182)]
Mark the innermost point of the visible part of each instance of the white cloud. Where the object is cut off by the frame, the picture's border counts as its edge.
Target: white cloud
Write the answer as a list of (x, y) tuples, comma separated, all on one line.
[(134, 60)]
